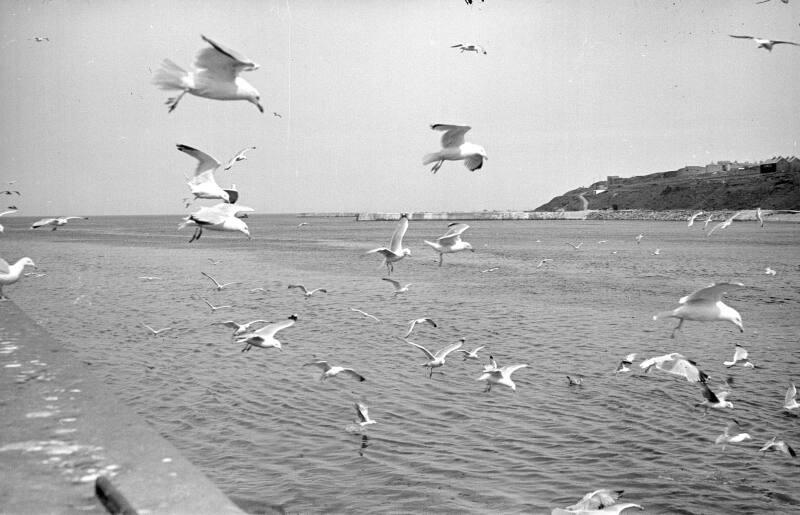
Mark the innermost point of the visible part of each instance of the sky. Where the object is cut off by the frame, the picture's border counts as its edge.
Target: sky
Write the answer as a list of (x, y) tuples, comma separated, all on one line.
[(568, 93)]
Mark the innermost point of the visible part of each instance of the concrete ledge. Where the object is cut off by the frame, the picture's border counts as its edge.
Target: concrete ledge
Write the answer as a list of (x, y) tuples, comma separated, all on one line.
[(67, 444)]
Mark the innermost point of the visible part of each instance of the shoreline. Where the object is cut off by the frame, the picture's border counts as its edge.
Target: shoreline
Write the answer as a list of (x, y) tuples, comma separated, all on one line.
[(678, 215)]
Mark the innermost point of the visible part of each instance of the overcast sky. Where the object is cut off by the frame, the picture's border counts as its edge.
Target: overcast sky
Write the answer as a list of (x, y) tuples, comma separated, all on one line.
[(569, 92)]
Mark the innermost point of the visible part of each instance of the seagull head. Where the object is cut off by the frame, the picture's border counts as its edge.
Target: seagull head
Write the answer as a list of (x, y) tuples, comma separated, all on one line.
[(468, 246), (406, 251), (26, 261)]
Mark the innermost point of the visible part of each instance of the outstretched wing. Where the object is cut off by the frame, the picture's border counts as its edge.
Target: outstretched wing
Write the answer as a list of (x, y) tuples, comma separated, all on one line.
[(270, 330), (240, 155), (741, 37), (785, 43), (453, 134), (206, 164), (395, 283), (453, 234), (473, 162), (221, 61), (447, 350), (396, 244), (791, 393), (4, 268), (596, 500), (423, 349), (713, 292)]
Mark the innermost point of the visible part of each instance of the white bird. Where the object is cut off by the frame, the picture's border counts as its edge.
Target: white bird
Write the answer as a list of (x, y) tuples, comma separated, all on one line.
[(740, 354), (705, 305), (9, 274), (574, 381), (639, 238), (436, 360), (470, 354), (240, 156), (397, 287), (501, 376), (395, 252), (215, 75), (265, 336), (765, 43), (542, 262), (759, 216), (454, 148), (365, 314), (657, 252), (790, 401), (575, 246), (239, 329), (220, 217), (451, 241), (492, 365), (707, 221), (413, 323), (692, 218), (626, 362), (478, 49), (602, 501), (493, 269), (714, 400), (156, 332), (329, 371), (778, 445), (219, 286), (362, 412), (769, 271), (727, 437), (302, 224), (725, 223), (213, 307), (149, 278), (306, 292), (56, 222), (203, 184), (675, 363), (6, 213)]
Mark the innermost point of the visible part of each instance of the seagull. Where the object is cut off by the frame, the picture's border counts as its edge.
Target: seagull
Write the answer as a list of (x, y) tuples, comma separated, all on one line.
[(395, 252), (574, 381), (542, 262), (149, 278), (692, 218), (779, 446), (56, 222), (790, 401), (240, 156), (213, 307), (413, 323), (599, 501), (707, 221), (220, 217), (451, 241), (331, 371), (365, 314), (215, 75), (478, 49), (308, 293), (397, 287), (575, 246), (769, 271), (470, 354), (724, 223), (276, 115), (6, 213), (218, 285), (436, 360), (156, 332), (492, 365), (705, 305), (759, 216), (362, 412), (639, 238), (9, 274), (493, 269), (765, 1), (239, 329), (265, 336), (500, 376), (203, 184), (9, 192), (714, 400), (455, 149), (657, 252), (302, 224), (675, 363), (214, 261), (625, 363), (40, 39), (739, 355), (726, 437), (765, 43)]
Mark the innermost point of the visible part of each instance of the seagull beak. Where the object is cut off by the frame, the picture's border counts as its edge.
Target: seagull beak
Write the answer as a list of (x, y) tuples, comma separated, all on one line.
[(259, 106)]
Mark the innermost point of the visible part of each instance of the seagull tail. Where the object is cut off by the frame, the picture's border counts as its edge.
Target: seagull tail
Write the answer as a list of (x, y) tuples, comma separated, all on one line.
[(171, 76), (431, 158), (663, 314)]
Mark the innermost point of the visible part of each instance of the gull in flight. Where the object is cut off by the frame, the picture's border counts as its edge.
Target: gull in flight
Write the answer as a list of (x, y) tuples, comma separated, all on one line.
[(790, 401), (240, 156), (215, 75), (764, 43), (265, 336), (362, 412), (759, 216), (470, 354), (765, 1), (739, 355), (724, 223), (365, 314), (500, 375), (395, 252), (454, 148), (575, 246), (156, 332), (707, 221), (493, 269), (626, 362), (9, 274), (6, 213), (149, 278), (219, 285), (213, 307), (705, 305), (574, 381), (397, 287), (727, 437), (639, 238), (542, 262), (492, 365), (435, 360), (214, 261), (331, 371), (413, 323), (276, 114), (451, 241), (714, 400), (657, 252), (478, 49), (220, 217), (302, 224), (239, 329), (599, 501), (692, 218), (769, 271), (675, 363), (40, 39), (56, 222), (306, 292), (778, 445), (203, 184)]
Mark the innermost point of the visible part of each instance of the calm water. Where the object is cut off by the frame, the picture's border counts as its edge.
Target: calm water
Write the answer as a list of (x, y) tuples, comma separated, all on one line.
[(275, 438)]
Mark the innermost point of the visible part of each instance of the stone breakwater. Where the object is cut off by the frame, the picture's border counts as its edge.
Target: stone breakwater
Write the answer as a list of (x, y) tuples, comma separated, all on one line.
[(678, 215)]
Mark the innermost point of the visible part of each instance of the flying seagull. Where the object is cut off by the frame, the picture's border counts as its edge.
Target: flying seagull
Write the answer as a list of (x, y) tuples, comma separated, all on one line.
[(413, 323), (398, 288), (599, 501), (714, 400), (728, 437), (725, 223), (500, 375), (454, 148), (56, 222), (365, 314), (626, 362), (470, 354), (239, 329), (450, 241), (156, 332), (478, 49), (692, 218), (395, 252), (790, 401), (778, 445), (705, 305), (329, 371), (219, 286), (766, 43), (220, 217), (362, 412), (213, 307), (203, 184), (240, 156), (265, 336), (675, 363), (436, 360), (740, 355), (6, 213), (306, 292)]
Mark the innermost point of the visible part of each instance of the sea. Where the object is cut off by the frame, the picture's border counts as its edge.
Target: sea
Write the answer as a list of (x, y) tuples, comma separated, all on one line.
[(276, 439)]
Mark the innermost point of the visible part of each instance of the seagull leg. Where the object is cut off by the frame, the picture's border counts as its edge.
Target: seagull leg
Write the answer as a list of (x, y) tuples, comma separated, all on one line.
[(438, 164), (441, 256), (173, 101), (676, 328), (197, 233)]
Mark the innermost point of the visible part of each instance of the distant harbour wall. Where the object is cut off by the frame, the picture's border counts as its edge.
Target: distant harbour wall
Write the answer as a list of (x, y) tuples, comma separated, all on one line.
[(477, 215)]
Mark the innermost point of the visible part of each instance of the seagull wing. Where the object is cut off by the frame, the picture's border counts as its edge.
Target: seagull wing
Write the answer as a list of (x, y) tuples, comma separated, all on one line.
[(353, 373), (708, 394), (791, 393), (785, 43), (457, 46), (222, 62), (712, 293), (322, 364), (740, 354), (362, 411), (681, 367), (396, 244), (292, 286), (269, 331), (741, 37), (423, 349), (205, 164), (453, 234), (214, 280), (229, 323), (596, 500), (510, 369), (447, 350), (473, 162), (42, 222), (238, 157), (4, 268), (8, 212), (453, 134), (395, 283)]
